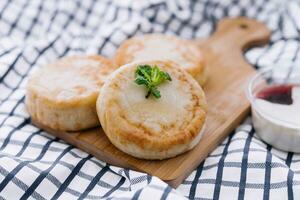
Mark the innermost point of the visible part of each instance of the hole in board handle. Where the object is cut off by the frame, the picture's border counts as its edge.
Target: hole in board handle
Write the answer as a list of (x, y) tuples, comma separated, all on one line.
[(244, 26)]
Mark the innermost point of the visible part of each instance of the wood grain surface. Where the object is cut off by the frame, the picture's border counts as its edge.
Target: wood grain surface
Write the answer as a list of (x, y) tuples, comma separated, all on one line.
[(227, 103)]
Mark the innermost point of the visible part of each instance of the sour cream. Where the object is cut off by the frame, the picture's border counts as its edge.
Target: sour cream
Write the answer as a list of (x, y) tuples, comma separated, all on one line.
[(278, 124)]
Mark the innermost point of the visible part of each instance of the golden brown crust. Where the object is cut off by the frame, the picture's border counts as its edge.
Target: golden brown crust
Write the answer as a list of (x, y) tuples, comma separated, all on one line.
[(188, 55), (127, 125), (63, 95), (95, 70)]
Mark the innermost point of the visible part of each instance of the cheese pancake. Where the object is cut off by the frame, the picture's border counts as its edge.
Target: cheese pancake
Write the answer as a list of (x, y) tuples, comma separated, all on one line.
[(62, 95), (162, 47), (152, 128)]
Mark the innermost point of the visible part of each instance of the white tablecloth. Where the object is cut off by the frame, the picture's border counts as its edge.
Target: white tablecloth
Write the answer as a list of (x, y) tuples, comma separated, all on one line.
[(35, 165)]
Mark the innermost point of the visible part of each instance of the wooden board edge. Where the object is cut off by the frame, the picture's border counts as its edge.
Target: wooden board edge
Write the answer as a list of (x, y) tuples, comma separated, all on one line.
[(174, 183), (77, 143)]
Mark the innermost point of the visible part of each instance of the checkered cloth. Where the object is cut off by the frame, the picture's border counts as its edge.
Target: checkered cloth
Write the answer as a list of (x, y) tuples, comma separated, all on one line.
[(35, 165)]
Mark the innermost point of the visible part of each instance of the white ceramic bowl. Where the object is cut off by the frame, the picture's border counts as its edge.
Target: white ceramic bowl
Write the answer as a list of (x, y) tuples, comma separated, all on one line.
[(270, 127)]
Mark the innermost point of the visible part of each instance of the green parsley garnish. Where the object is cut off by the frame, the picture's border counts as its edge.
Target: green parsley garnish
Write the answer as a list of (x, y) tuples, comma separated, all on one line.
[(151, 77)]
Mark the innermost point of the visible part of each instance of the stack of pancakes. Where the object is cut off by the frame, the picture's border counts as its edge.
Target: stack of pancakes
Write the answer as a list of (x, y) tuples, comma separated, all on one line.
[(78, 92)]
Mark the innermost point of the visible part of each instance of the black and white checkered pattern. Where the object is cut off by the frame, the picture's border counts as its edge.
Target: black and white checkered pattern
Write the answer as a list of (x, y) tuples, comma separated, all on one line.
[(33, 164)]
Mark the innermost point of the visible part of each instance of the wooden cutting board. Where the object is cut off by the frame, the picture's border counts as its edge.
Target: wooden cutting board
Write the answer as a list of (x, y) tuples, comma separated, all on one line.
[(227, 104)]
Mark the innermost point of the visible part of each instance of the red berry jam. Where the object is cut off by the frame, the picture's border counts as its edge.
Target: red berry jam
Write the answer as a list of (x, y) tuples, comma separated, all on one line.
[(280, 94)]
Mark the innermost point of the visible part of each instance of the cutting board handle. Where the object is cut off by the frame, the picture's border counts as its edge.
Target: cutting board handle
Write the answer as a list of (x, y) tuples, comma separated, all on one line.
[(239, 34)]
